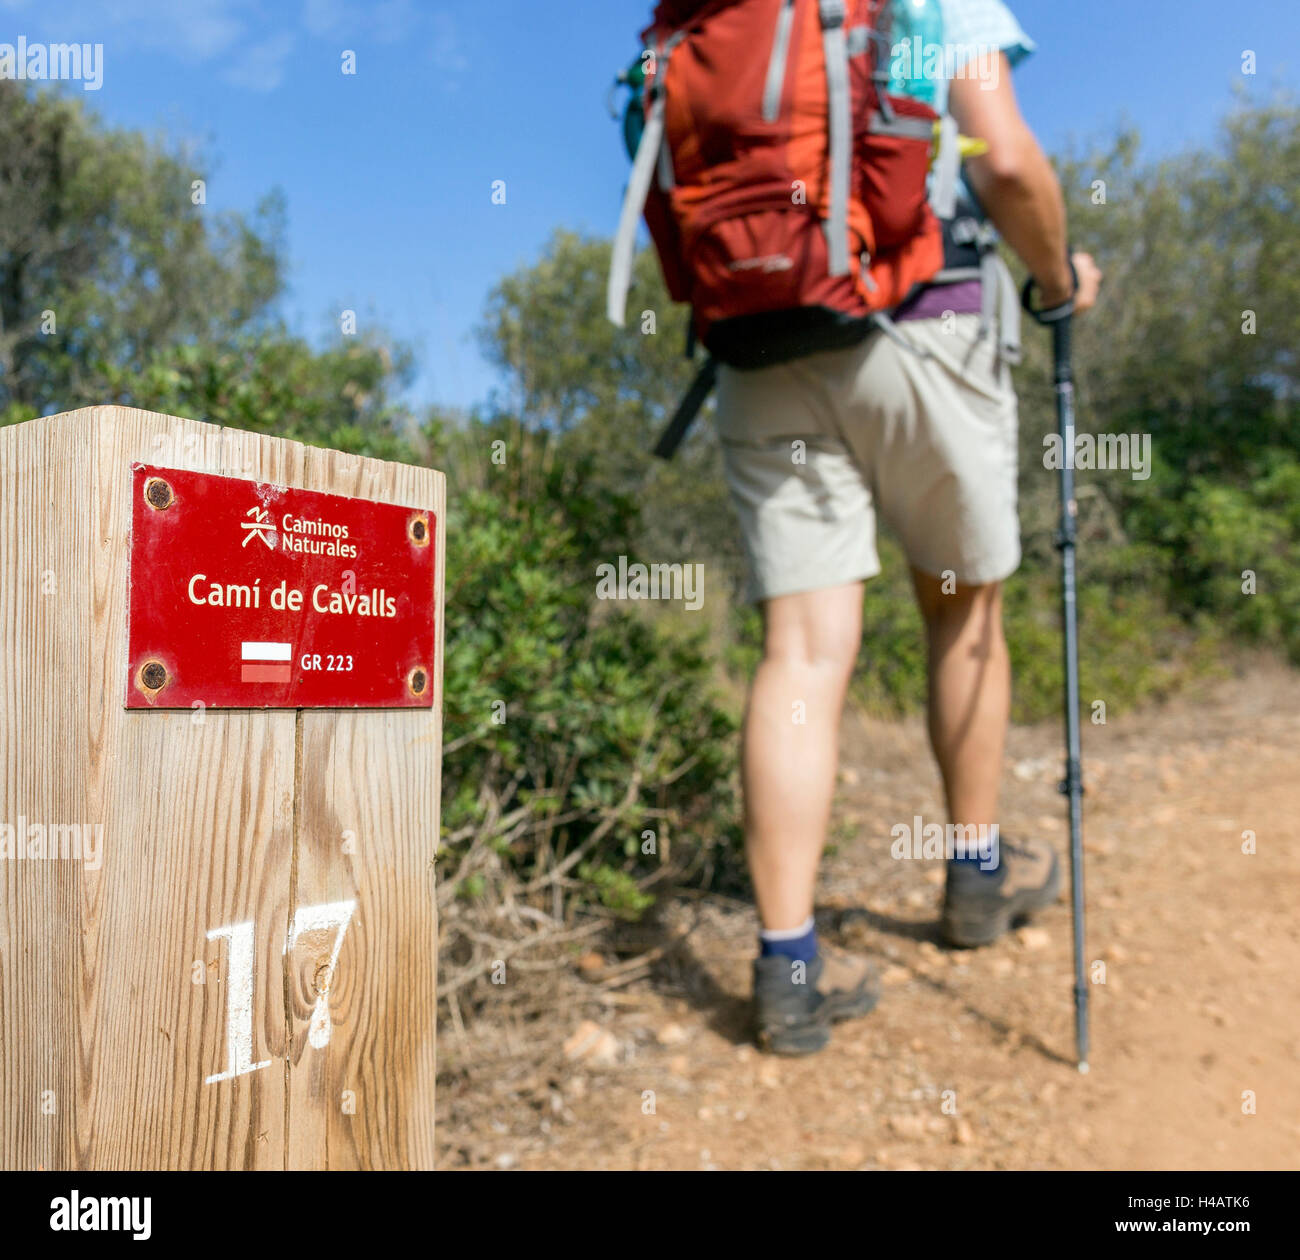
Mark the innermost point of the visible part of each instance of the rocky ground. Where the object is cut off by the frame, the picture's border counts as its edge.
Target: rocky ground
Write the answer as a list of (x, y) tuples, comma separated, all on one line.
[(639, 1056)]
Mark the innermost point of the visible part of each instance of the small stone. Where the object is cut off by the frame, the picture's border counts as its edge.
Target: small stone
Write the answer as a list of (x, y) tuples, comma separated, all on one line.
[(852, 1156), (907, 1126), (1034, 937), (591, 962), (671, 1035), (962, 1133), (590, 1043)]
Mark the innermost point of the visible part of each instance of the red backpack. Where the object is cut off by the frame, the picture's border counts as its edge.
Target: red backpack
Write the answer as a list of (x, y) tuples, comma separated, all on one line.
[(784, 188)]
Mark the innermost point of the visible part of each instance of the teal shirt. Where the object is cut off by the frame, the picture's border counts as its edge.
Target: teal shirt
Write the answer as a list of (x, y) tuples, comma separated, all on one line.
[(971, 27)]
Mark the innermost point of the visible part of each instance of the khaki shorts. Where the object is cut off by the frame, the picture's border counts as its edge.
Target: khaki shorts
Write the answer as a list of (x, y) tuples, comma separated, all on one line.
[(815, 448)]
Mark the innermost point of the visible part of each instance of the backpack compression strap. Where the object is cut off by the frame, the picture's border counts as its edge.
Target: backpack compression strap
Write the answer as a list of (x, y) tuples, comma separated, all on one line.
[(835, 50), (687, 409), (947, 169)]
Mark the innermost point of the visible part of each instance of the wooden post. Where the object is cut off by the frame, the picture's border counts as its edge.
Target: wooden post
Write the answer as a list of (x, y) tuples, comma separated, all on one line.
[(126, 984)]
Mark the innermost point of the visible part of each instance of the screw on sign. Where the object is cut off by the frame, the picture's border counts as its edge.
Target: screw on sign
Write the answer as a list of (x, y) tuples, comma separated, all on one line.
[(159, 493), (249, 595)]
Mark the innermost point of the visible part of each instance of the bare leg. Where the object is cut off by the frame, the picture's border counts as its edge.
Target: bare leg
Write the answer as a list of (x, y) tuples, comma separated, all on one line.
[(970, 693), (791, 744)]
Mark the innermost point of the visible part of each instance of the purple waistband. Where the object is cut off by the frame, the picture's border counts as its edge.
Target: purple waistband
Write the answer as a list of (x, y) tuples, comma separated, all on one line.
[(962, 298)]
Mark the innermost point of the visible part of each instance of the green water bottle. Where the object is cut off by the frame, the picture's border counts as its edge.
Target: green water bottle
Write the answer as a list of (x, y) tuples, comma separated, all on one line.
[(633, 78), (916, 38)]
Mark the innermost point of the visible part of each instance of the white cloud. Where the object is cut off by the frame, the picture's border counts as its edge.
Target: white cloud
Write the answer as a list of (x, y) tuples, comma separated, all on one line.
[(233, 34), (197, 30), (385, 22), (324, 17), (448, 53), (260, 67)]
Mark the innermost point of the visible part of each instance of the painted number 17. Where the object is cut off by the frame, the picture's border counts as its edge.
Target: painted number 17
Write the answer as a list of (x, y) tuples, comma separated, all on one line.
[(239, 939)]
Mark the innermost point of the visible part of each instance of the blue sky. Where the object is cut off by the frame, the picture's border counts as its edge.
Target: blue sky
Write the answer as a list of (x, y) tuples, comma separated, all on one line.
[(388, 174)]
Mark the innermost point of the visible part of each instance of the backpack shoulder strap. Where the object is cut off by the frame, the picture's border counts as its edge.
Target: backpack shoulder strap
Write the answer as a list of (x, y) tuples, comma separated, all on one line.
[(638, 188), (649, 155)]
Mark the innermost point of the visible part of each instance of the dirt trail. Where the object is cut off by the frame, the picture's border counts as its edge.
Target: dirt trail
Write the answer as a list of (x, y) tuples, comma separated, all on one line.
[(1201, 1000)]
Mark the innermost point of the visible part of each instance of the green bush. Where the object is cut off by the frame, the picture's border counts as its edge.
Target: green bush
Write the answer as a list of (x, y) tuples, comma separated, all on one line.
[(588, 755), (1236, 539)]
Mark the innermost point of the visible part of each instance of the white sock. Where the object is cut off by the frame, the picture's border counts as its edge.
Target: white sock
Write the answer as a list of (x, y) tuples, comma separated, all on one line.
[(788, 934)]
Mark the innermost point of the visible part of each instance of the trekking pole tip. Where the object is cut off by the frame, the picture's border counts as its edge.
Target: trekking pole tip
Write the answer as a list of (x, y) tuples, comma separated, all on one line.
[(1083, 1067)]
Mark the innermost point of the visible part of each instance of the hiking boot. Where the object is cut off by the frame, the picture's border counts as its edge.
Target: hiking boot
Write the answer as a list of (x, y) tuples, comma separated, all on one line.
[(795, 1004), (978, 906)]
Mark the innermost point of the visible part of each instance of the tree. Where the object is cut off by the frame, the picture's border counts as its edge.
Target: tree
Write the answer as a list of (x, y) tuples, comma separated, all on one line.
[(604, 394), (1195, 344), (107, 260)]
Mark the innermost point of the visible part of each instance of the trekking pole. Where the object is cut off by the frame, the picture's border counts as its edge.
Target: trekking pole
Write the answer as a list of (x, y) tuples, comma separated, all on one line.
[(1058, 319)]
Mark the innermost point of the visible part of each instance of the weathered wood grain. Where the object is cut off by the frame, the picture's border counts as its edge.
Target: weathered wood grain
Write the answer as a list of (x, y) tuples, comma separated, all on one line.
[(367, 796), (210, 819)]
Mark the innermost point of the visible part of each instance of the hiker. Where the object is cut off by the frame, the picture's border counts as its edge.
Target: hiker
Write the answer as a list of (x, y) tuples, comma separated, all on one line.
[(910, 418), (929, 444)]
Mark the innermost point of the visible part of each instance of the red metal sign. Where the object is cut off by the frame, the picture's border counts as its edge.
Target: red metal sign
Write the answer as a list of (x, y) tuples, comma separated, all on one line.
[(245, 595)]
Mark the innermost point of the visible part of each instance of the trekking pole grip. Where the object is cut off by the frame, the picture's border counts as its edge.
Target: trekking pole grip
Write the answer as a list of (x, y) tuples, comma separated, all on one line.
[(1058, 319), (1062, 338), (1052, 315)]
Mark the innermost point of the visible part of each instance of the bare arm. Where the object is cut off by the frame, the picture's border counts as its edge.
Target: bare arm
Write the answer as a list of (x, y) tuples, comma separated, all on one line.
[(1015, 182)]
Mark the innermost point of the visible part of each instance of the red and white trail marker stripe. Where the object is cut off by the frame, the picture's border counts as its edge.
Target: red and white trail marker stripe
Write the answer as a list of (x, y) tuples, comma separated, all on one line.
[(265, 662)]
